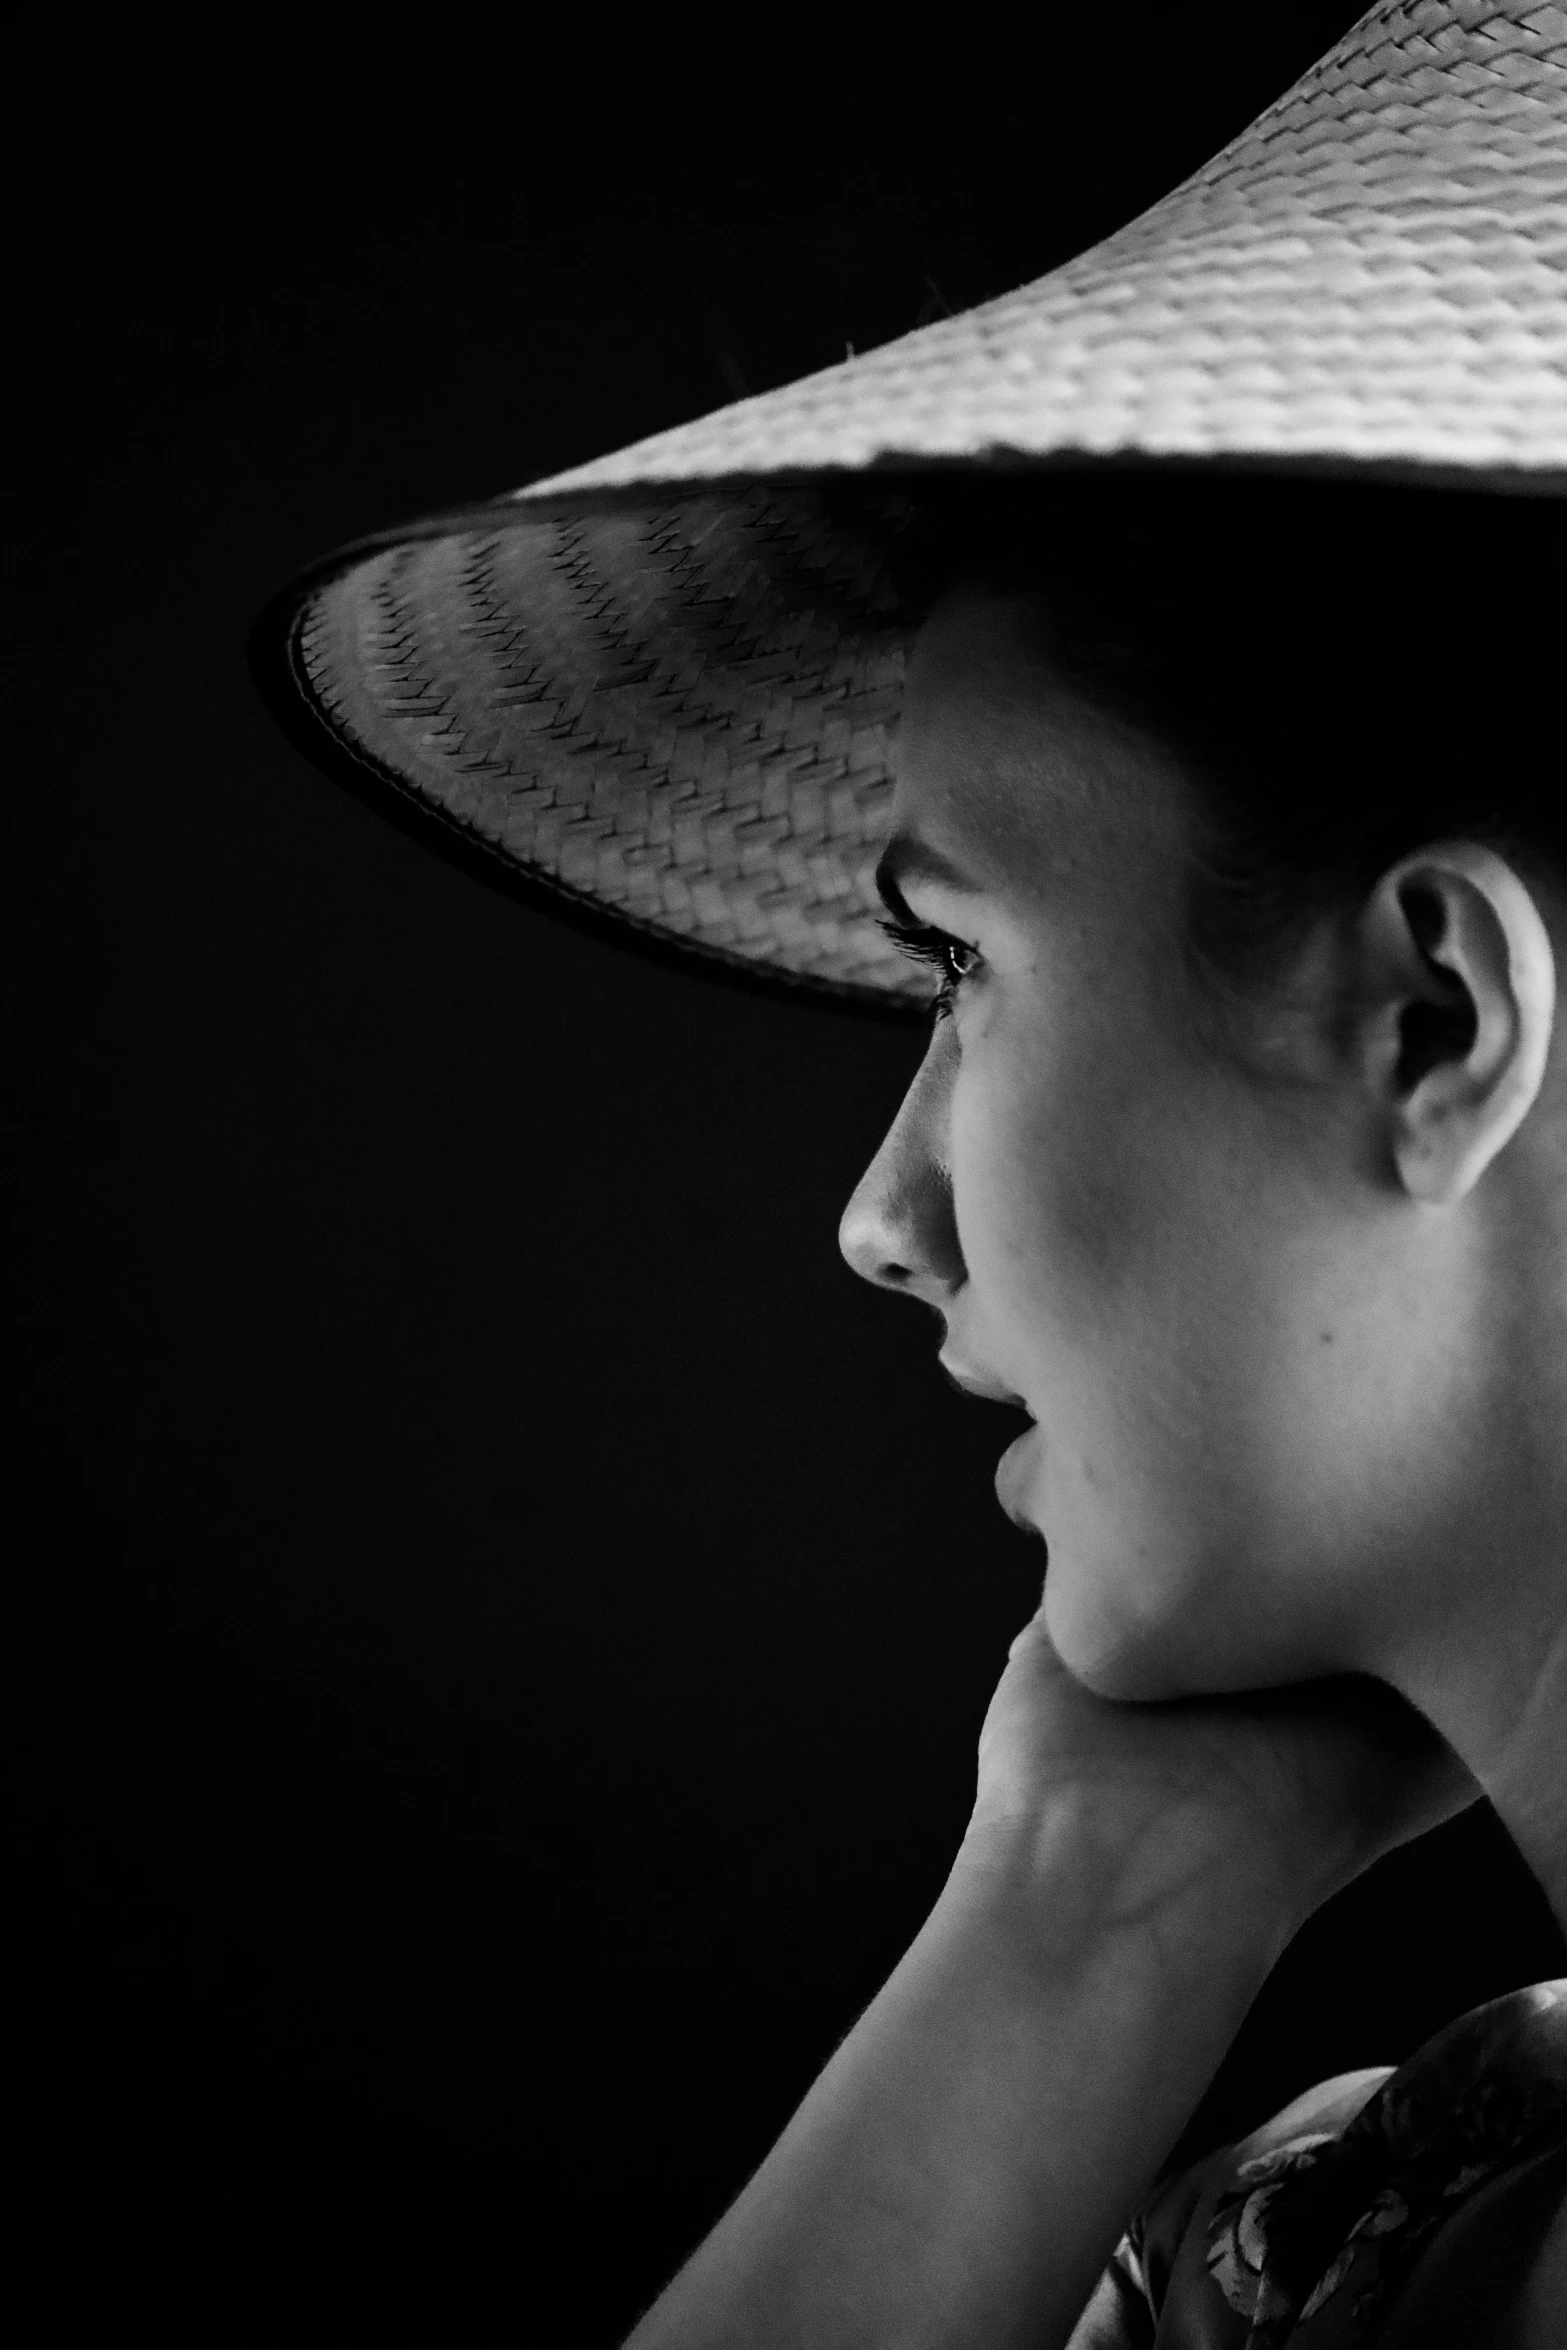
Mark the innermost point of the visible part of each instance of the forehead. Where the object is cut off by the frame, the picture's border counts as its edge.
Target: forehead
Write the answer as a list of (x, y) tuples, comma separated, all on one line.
[(1005, 766)]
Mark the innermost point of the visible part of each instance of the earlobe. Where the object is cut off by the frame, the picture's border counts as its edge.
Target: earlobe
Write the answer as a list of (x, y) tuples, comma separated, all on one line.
[(1466, 985)]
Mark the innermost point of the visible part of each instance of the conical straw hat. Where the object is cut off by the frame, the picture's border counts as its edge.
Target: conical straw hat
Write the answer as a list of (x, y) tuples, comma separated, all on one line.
[(663, 684)]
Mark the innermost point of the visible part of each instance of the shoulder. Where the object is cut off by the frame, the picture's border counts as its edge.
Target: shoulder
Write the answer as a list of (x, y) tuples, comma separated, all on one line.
[(1419, 2205), (1496, 2273), (1169, 2239), (1542, 2315), (1320, 2112)]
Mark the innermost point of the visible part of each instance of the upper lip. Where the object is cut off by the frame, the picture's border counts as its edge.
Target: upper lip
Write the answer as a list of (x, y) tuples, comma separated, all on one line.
[(972, 1384)]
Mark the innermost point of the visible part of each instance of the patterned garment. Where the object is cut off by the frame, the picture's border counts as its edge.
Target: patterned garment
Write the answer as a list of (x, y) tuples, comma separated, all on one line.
[(1383, 2206)]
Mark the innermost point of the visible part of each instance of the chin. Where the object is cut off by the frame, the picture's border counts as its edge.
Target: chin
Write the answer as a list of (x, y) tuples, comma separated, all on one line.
[(1115, 1644)]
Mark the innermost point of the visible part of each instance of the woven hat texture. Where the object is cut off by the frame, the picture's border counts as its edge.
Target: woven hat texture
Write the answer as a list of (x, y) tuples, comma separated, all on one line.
[(664, 683)]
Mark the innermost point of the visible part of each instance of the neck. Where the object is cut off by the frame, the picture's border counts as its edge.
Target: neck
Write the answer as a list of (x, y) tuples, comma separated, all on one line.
[(1524, 1772), (1480, 1644), (1497, 1692)]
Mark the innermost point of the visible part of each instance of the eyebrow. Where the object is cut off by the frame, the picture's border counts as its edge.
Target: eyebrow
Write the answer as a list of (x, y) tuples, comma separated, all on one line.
[(906, 858)]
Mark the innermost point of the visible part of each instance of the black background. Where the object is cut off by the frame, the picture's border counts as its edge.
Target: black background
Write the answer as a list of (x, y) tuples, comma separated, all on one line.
[(502, 1615)]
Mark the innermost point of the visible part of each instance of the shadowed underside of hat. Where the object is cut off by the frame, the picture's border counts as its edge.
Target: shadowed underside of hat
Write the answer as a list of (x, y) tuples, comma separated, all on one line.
[(676, 711), (665, 682)]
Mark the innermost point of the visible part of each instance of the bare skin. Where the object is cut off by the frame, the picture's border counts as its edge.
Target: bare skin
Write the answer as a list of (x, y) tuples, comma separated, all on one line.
[(1283, 1281)]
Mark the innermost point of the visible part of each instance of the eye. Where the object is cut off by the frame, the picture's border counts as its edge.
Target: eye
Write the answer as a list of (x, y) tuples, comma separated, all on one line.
[(948, 956)]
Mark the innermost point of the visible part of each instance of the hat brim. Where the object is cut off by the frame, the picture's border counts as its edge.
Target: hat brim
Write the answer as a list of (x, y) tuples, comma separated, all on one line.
[(658, 692), (381, 781)]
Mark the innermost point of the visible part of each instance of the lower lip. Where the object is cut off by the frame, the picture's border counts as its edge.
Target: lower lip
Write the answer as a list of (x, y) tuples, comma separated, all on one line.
[(1014, 1477)]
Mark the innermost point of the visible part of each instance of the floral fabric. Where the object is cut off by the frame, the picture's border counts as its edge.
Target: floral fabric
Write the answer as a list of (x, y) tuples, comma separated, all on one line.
[(1311, 2232)]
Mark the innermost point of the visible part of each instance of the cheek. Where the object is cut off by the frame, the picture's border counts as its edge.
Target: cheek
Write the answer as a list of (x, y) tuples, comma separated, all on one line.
[(1125, 1245), (1064, 1223), (1060, 1189)]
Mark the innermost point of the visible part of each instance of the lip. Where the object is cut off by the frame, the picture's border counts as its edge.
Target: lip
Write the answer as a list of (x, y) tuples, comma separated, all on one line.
[(1014, 1478), (972, 1384)]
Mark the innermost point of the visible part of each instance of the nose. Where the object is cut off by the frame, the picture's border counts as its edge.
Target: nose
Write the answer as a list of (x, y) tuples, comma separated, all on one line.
[(900, 1227)]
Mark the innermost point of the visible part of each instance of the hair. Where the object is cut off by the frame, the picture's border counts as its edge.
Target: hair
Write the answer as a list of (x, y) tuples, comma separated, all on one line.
[(1346, 671)]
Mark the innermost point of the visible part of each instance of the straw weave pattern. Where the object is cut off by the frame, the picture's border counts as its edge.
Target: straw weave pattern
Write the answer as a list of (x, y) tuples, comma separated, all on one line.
[(681, 707), (1376, 269), (679, 714)]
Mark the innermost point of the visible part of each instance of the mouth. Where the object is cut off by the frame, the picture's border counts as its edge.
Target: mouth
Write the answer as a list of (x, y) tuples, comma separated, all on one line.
[(1016, 1468)]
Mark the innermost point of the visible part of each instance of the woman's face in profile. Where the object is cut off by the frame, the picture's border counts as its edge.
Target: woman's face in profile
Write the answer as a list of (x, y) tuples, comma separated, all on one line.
[(1166, 1235)]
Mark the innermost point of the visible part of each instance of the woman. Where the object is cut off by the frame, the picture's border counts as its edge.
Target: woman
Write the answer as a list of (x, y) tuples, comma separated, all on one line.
[(1240, 1159), (1229, 815)]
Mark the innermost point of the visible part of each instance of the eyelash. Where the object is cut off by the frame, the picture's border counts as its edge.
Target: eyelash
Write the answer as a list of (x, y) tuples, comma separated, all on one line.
[(939, 949)]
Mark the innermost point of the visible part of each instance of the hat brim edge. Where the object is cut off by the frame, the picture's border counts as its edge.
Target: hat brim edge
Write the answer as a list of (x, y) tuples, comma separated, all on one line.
[(559, 495), (276, 672)]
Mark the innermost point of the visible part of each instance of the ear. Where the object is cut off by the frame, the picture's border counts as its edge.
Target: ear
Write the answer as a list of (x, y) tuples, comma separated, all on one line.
[(1463, 984)]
